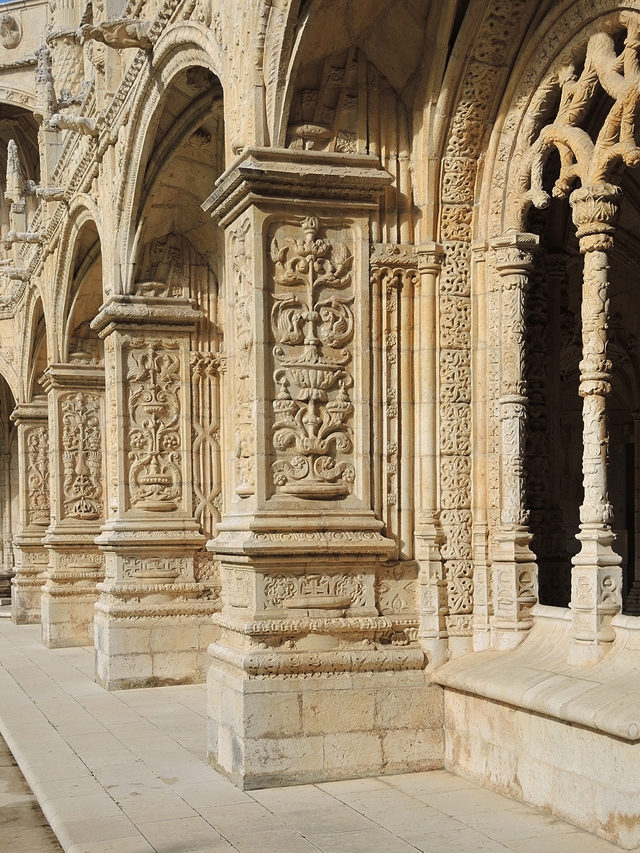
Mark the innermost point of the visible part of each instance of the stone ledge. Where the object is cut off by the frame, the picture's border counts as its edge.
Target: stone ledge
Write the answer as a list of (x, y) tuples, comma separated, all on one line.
[(604, 696)]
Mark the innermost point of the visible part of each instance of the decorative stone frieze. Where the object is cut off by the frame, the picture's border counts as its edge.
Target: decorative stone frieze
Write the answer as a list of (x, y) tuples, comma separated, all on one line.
[(77, 484)]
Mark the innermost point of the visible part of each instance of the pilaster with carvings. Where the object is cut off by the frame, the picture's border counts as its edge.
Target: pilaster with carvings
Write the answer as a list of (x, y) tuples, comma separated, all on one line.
[(514, 569), (308, 576), (149, 537), (76, 468), (32, 559)]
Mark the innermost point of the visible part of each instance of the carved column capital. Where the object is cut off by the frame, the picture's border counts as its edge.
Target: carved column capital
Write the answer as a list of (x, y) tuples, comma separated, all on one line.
[(515, 252), (430, 257), (595, 210)]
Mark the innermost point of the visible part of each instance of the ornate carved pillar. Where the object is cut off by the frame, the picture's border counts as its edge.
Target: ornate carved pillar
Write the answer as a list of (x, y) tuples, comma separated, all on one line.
[(428, 536), (76, 417), (514, 569), (596, 579), (32, 559), (152, 620), (299, 543)]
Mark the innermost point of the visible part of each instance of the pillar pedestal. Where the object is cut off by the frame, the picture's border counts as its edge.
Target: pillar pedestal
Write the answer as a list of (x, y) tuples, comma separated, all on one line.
[(31, 557), (153, 619), (76, 416), (308, 681)]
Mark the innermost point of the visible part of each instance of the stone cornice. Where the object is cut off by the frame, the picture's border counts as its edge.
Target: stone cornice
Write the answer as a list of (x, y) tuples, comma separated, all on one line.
[(83, 376), (131, 311), (263, 174)]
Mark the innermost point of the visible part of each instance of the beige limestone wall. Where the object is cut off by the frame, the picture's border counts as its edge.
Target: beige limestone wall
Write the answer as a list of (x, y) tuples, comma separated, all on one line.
[(270, 732), (586, 777)]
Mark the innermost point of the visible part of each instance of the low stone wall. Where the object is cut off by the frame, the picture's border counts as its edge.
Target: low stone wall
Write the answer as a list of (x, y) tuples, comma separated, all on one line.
[(580, 775)]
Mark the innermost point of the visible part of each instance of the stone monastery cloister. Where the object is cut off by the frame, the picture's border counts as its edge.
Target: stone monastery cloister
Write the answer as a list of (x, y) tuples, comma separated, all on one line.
[(319, 377)]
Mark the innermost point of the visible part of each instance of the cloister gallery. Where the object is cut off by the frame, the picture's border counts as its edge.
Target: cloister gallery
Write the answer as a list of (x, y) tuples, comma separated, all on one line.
[(320, 377)]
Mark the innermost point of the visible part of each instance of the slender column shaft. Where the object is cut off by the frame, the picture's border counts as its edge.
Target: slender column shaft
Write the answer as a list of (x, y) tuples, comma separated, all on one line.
[(431, 581), (515, 583), (596, 579)]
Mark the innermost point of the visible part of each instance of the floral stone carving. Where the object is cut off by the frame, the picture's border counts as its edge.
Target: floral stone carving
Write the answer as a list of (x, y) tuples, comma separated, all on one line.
[(312, 324), (82, 456), (37, 442), (155, 479)]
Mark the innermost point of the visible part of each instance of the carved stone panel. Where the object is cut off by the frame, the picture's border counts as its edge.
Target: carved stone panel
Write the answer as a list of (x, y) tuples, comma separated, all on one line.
[(153, 428), (37, 443), (81, 438), (312, 325)]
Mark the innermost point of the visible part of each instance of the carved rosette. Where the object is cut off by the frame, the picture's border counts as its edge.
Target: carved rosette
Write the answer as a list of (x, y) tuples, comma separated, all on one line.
[(153, 407), (81, 434), (37, 444), (312, 324)]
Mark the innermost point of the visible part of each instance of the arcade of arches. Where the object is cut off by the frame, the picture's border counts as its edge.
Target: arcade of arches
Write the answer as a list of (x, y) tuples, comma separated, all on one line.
[(319, 377)]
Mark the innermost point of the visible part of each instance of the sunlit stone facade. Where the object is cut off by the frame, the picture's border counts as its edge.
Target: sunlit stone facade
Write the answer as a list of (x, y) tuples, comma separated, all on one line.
[(320, 378)]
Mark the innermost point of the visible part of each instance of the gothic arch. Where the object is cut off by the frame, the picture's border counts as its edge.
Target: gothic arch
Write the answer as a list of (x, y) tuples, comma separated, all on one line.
[(180, 48), (83, 214)]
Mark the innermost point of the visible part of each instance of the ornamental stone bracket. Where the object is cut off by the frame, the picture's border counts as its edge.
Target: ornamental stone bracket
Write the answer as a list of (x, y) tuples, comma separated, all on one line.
[(76, 449), (31, 557), (300, 546), (149, 600)]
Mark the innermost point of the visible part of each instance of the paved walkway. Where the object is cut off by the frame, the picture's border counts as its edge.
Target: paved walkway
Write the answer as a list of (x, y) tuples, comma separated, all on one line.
[(23, 827), (126, 772)]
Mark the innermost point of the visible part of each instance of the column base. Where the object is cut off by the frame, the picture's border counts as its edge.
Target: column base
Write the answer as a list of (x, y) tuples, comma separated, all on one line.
[(154, 644), (67, 616), (69, 597), (297, 718), (26, 585)]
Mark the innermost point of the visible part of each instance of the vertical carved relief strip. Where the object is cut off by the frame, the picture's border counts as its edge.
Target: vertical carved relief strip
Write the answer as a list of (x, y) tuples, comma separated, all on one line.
[(455, 435), (82, 487), (205, 448), (153, 408), (394, 275), (38, 507), (244, 368), (312, 324)]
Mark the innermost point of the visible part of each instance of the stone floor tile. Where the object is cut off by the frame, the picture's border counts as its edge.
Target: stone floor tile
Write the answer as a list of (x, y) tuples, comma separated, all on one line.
[(337, 789), (91, 829), (330, 818), (242, 819), (185, 835), (415, 820), (362, 841), (463, 840), (135, 844), (469, 801), (146, 806), (378, 800), (510, 825), (297, 798), (210, 794), (79, 807), (430, 782), (78, 786), (286, 841), (569, 842)]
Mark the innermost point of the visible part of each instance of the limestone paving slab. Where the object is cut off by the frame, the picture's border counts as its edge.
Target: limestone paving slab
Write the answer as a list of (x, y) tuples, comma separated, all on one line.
[(125, 773)]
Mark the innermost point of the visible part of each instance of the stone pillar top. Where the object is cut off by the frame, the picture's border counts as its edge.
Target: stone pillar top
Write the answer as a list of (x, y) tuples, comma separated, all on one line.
[(281, 174)]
